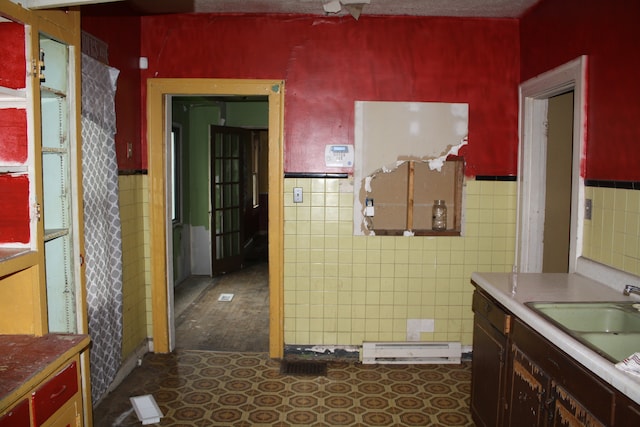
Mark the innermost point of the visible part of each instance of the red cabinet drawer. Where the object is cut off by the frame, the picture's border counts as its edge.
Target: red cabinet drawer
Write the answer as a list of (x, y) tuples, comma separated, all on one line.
[(18, 416), (50, 397), (14, 193)]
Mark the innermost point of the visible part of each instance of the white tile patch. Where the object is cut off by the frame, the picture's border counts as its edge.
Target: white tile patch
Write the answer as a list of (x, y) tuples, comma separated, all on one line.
[(416, 326)]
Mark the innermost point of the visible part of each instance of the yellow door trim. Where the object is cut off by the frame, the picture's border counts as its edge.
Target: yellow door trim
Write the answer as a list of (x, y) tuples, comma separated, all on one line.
[(157, 91)]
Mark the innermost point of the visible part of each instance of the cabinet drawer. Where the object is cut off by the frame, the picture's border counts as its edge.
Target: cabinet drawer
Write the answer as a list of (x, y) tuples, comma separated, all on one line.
[(490, 310), (18, 416), (52, 395)]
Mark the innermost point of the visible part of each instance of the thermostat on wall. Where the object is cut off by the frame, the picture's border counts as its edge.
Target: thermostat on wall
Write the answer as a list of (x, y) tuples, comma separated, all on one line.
[(340, 156)]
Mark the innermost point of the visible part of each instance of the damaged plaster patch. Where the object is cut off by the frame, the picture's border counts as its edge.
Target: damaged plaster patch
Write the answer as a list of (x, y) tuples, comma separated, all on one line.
[(404, 131)]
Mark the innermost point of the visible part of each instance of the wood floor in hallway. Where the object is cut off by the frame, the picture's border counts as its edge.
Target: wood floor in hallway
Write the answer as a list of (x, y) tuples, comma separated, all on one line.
[(241, 324)]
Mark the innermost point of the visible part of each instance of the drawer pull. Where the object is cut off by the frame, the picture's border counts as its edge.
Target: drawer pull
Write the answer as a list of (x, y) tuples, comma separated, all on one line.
[(58, 393)]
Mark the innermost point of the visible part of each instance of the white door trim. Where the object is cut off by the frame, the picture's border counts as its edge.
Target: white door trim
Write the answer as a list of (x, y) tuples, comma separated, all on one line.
[(534, 95)]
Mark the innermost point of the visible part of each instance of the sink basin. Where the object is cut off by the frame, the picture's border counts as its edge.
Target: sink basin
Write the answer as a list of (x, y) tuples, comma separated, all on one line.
[(592, 316), (612, 329), (613, 346)]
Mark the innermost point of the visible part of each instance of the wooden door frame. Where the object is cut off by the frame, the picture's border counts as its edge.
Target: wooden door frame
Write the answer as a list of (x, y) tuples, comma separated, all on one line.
[(157, 91)]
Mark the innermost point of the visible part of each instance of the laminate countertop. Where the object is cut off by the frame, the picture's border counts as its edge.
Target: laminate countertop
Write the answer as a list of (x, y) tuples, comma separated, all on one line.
[(558, 287)]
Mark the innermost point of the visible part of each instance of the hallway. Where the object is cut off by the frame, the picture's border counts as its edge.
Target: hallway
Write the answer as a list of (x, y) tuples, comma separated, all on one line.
[(206, 321)]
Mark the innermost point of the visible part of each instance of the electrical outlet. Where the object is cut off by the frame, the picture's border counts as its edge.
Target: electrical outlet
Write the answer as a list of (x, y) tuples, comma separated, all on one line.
[(297, 195), (368, 208), (587, 209)]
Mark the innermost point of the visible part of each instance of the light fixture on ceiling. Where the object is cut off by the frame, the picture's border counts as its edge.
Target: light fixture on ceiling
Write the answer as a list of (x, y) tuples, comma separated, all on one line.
[(354, 7)]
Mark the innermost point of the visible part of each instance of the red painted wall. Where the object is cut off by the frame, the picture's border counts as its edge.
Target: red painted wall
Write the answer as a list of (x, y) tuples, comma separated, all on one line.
[(555, 32), (122, 34), (328, 63)]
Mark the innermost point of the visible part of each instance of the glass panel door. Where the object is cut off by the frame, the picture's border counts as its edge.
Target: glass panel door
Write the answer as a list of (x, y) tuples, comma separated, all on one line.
[(226, 190)]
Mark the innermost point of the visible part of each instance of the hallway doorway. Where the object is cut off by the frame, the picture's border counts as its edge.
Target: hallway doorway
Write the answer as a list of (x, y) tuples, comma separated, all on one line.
[(218, 176), (159, 91)]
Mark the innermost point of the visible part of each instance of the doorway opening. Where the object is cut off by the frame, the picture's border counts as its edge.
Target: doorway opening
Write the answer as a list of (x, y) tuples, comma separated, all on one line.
[(535, 95), (220, 222), (159, 94), (557, 217)]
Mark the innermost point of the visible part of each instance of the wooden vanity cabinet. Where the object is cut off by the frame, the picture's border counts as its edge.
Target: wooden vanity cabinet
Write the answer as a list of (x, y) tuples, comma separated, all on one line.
[(490, 330), (520, 379), (548, 388)]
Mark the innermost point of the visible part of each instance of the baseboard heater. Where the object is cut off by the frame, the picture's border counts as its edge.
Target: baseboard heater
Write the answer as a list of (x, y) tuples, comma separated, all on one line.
[(411, 352)]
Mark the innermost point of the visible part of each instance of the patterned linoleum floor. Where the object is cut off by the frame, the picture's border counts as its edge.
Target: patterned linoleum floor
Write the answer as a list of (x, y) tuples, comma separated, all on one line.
[(200, 388)]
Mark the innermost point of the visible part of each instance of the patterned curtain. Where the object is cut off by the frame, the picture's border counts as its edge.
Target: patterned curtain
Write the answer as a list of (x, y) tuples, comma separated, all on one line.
[(102, 233)]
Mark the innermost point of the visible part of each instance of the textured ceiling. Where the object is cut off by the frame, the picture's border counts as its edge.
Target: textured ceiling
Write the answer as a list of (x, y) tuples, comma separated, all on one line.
[(492, 8), (460, 8)]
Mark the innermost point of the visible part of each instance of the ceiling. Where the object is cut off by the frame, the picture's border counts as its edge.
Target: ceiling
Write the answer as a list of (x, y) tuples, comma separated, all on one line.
[(456, 8)]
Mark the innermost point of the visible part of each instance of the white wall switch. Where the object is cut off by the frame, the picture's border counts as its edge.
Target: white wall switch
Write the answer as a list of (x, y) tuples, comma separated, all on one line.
[(297, 195)]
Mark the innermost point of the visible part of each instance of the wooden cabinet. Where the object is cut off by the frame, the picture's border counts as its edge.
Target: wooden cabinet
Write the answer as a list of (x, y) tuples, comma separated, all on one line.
[(627, 413), (568, 393), (527, 389), (519, 379), (21, 290), (490, 330), (41, 383), (41, 271)]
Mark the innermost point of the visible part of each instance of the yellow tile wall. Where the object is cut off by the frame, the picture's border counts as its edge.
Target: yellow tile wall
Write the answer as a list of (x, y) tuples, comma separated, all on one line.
[(136, 286), (611, 236), (341, 289)]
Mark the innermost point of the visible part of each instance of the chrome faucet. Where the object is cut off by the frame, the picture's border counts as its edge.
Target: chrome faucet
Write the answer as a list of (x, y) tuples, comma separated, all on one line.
[(630, 289)]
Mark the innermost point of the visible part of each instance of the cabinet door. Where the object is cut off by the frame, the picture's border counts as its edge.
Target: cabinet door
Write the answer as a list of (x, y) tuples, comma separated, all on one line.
[(487, 382), (528, 389), (627, 412), (567, 411), (57, 119)]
